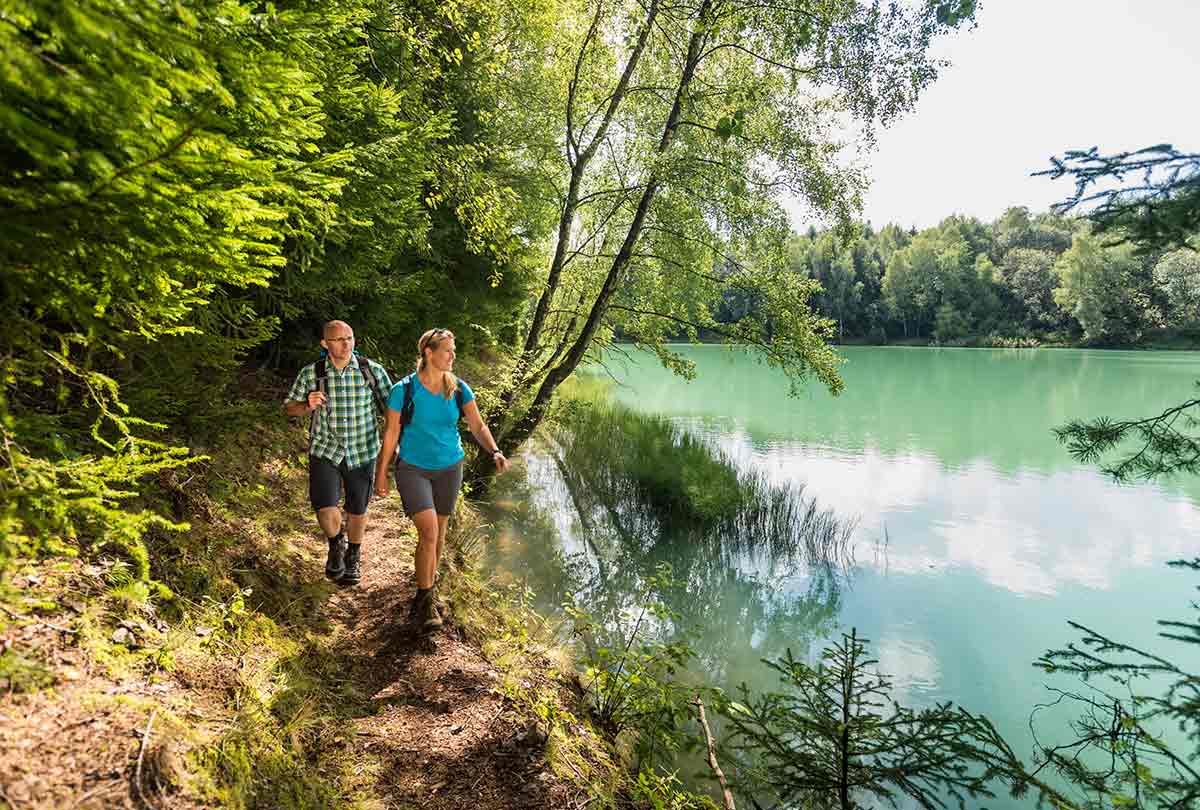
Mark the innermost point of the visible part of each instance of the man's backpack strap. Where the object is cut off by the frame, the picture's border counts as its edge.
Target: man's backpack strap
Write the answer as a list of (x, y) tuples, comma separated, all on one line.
[(364, 368), (319, 375), (319, 372)]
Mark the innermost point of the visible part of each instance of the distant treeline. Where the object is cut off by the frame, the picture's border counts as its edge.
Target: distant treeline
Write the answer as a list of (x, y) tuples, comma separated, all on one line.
[(1020, 280)]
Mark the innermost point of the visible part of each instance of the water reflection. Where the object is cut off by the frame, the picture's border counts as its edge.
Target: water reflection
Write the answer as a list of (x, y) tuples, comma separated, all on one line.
[(954, 405), (748, 596), (1029, 532), (978, 536)]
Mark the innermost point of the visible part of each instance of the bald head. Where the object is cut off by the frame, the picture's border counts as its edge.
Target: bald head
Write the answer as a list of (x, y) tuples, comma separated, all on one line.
[(338, 339), (335, 329)]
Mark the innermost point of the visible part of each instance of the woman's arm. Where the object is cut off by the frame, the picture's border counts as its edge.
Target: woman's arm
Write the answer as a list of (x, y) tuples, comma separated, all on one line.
[(391, 435), (484, 436)]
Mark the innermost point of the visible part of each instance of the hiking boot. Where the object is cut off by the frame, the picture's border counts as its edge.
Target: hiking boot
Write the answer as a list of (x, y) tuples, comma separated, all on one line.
[(335, 562), (353, 571), (426, 611)]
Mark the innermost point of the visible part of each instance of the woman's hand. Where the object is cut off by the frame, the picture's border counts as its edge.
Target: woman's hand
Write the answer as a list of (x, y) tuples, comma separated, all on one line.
[(381, 486), (501, 461)]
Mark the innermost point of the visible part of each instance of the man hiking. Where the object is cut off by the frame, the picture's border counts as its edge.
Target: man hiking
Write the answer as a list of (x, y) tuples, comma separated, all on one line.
[(344, 394)]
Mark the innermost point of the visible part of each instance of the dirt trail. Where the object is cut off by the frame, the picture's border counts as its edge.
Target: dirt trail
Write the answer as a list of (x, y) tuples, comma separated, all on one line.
[(431, 725), (444, 735)]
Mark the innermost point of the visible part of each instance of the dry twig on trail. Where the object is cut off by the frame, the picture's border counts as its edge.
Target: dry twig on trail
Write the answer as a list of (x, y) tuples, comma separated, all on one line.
[(100, 790), (21, 617), (7, 800), (137, 776)]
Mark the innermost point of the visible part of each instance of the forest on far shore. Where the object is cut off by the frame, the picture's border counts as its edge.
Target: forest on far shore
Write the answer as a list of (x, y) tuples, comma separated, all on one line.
[(1022, 280)]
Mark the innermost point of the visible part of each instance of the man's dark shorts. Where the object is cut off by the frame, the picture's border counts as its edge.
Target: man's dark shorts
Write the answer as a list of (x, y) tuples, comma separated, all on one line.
[(325, 481)]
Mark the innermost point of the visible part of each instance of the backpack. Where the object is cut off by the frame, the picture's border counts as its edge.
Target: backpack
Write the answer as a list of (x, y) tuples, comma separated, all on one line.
[(406, 410), (364, 368)]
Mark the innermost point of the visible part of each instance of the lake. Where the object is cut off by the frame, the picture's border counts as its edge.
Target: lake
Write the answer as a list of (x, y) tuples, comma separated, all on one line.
[(976, 535)]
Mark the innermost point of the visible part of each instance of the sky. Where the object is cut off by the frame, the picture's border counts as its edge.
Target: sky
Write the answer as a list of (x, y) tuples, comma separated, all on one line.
[(1033, 79)]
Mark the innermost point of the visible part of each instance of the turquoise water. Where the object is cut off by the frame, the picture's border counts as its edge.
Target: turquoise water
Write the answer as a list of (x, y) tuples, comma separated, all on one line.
[(977, 536)]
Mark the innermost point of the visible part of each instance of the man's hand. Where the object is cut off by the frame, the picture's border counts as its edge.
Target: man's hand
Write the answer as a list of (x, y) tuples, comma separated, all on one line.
[(381, 486), (316, 399)]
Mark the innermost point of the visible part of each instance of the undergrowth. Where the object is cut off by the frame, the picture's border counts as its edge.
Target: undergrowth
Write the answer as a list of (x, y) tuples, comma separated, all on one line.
[(230, 610)]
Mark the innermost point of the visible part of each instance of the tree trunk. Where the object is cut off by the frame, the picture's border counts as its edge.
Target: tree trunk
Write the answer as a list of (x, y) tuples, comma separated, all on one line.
[(578, 172), (541, 401), (844, 758)]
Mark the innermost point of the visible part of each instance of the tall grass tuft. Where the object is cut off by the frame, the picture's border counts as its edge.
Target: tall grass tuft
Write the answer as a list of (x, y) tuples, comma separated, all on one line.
[(648, 476)]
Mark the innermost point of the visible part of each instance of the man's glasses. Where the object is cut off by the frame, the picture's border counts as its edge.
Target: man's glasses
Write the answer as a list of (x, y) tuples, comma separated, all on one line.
[(340, 339)]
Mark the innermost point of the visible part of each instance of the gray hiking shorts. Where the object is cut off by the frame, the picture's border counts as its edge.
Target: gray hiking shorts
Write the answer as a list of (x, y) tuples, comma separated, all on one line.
[(422, 489)]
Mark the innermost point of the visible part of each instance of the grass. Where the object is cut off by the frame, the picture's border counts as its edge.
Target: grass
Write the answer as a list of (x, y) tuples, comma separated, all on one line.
[(233, 614), (21, 674), (644, 466), (539, 676), (644, 457)]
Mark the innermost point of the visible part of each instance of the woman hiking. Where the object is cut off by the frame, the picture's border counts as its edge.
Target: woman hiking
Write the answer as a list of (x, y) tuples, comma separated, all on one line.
[(422, 415)]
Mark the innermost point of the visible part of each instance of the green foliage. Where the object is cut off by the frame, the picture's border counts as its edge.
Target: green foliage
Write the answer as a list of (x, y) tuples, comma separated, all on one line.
[(1167, 443), (1161, 209), (21, 674), (70, 501), (831, 740), (671, 196), (637, 680), (949, 323), (1023, 277), (657, 480), (249, 768), (1029, 274), (436, 225), (147, 165), (670, 469), (150, 158), (1129, 748), (1161, 214), (186, 186), (1096, 287), (146, 168), (653, 790), (1177, 276)]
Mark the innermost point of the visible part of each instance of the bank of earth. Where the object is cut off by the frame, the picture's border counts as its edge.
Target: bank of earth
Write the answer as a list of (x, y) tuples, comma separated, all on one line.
[(256, 683)]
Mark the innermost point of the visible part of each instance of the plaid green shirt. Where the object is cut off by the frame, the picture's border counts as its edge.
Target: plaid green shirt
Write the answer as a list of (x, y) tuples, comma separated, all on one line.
[(347, 427)]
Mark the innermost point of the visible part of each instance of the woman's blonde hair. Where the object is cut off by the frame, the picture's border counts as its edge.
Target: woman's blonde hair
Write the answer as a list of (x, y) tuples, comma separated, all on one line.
[(431, 340)]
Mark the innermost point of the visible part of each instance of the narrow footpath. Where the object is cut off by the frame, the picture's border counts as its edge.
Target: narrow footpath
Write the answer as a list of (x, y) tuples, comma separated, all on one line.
[(445, 736), (417, 723)]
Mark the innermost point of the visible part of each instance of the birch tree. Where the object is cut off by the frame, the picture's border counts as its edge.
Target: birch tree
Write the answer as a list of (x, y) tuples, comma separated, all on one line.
[(684, 126)]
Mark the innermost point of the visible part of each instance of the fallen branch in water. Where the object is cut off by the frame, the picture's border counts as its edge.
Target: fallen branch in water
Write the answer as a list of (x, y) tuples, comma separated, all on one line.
[(712, 756)]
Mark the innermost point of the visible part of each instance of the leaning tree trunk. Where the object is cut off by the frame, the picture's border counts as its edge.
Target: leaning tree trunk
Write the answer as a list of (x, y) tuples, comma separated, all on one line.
[(579, 164), (524, 428)]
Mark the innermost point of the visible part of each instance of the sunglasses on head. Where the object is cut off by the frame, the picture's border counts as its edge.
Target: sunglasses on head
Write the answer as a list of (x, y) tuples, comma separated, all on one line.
[(435, 334)]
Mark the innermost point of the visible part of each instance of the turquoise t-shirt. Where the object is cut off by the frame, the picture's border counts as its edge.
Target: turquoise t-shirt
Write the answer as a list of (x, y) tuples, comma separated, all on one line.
[(430, 441)]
